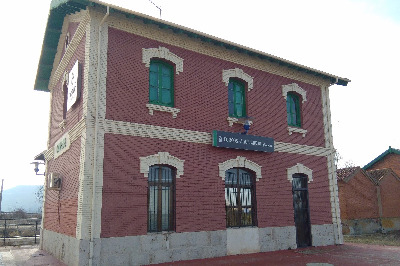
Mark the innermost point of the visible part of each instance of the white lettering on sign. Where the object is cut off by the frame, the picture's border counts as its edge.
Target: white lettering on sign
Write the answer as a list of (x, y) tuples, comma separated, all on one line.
[(73, 85), (242, 141)]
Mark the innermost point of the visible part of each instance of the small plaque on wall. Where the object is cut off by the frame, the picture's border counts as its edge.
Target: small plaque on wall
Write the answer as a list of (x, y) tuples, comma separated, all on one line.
[(62, 145)]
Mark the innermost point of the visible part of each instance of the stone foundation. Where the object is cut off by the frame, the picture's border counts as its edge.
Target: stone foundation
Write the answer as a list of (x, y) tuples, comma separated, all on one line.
[(370, 226), (65, 248), (156, 248)]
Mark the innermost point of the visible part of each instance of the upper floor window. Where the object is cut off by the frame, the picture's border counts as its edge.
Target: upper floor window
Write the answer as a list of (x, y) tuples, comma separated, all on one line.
[(293, 109), (161, 87), (161, 198), (240, 198), (236, 98)]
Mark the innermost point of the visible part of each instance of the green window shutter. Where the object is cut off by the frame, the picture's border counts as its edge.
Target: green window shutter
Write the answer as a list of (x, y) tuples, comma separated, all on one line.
[(231, 105), (236, 99), (293, 110), (161, 83)]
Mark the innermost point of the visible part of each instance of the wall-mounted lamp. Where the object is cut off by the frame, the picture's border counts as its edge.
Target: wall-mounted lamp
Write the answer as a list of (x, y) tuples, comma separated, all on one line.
[(36, 169), (246, 126), (247, 122)]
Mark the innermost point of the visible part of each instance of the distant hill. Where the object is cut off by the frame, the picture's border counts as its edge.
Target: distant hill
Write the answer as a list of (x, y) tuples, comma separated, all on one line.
[(21, 197)]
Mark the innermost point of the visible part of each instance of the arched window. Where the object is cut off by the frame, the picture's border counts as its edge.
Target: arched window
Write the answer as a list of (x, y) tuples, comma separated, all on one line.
[(161, 87), (236, 98), (293, 109), (161, 198), (240, 198)]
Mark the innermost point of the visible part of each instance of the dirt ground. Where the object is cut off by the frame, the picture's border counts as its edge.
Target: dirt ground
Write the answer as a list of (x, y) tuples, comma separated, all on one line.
[(388, 239)]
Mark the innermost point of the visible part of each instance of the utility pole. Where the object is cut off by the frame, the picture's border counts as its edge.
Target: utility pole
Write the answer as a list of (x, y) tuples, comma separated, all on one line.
[(1, 194)]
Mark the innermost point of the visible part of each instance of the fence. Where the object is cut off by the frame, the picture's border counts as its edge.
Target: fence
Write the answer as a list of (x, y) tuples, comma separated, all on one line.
[(16, 232)]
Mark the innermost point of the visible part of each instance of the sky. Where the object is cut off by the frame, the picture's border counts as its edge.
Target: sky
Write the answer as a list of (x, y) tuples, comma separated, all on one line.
[(354, 39)]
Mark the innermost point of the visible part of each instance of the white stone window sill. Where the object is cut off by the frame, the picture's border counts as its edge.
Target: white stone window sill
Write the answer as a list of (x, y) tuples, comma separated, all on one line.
[(297, 130), (161, 108), (234, 120)]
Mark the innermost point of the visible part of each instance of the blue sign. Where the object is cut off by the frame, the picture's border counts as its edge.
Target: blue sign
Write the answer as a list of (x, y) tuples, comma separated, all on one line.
[(242, 141)]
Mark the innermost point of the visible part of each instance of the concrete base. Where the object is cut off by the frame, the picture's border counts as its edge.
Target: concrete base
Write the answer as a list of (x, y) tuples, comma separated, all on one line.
[(156, 248), (277, 238), (65, 248), (322, 235), (370, 226), (390, 224), (163, 247), (243, 240)]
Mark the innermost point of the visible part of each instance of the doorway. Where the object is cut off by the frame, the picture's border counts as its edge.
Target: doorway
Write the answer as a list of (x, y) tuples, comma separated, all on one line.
[(301, 210)]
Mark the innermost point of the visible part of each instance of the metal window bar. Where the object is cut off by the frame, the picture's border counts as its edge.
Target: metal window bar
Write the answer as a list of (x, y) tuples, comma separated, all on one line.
[(161, 199), (240, 198)]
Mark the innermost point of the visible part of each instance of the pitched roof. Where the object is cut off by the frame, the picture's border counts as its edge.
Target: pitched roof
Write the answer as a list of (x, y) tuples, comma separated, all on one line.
[(345, 174), (59, 9), (379, 174), (380, 157), (375, 176), (40, 156)]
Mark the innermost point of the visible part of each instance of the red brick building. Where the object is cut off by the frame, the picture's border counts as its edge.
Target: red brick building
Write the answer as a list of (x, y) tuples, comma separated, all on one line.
[(369, 197), (147, 156), (388, 159)]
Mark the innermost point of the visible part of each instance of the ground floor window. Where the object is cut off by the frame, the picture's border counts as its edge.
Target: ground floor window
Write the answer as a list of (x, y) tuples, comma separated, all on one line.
[(240, 198), (161, 199)]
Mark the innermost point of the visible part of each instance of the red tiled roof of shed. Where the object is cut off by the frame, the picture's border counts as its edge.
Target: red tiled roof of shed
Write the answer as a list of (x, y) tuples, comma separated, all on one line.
[(345, 173)]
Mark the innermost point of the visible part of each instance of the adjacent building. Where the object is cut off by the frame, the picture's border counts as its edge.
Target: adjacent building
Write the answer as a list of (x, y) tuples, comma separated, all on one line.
[(388, 159), (169, 144), (369, 198)]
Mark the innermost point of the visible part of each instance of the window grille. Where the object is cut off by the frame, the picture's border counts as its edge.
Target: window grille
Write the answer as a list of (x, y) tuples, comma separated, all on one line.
[(161, 198), (240, 198)]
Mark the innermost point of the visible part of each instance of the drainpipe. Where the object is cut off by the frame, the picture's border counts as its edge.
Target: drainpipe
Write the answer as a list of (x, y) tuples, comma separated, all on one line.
[(96, 128)]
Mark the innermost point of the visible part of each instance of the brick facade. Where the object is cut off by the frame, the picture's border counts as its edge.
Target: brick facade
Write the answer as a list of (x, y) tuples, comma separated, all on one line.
[(200, 202), (391, 161), (201, 94), (358, 197), (389, 190), (369, 200), (112, 127), (61, 206)]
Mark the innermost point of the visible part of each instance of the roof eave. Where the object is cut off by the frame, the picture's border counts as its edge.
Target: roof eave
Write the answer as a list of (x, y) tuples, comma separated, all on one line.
[(374, 161), (60, 8)]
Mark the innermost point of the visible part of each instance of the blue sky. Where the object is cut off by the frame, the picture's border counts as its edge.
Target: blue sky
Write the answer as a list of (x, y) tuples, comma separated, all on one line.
[(355, 39), (389, 9)]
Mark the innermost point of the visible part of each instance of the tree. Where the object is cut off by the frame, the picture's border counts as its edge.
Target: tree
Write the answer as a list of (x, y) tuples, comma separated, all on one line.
[(342, 164), (20, 213), (39, 194)]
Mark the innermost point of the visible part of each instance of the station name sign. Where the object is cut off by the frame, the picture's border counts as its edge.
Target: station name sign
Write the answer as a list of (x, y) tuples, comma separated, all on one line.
[(62, 145), (242, 141)]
